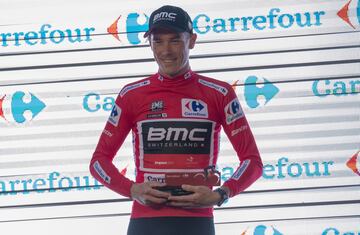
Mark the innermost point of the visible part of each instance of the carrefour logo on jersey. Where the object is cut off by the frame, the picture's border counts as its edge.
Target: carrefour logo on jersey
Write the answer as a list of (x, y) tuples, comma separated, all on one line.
[(46, 34), (194, 108), (20, 107), (275, 18), (233, 111)]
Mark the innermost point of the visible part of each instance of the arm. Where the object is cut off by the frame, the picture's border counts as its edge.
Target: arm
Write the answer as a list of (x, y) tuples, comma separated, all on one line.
[(239, 133), (242, 140), (102, 167), (112, 137)]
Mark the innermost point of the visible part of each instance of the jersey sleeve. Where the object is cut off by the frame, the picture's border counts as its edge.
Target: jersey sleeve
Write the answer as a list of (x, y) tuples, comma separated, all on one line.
[(239, 133), (116, 129)]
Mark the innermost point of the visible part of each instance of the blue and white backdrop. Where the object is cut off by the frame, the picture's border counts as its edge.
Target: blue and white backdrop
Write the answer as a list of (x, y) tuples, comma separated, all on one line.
[(295, 66)]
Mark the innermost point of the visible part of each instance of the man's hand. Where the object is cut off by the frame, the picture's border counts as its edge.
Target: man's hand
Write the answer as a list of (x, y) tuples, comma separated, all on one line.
[(145, 193), (203, 196)]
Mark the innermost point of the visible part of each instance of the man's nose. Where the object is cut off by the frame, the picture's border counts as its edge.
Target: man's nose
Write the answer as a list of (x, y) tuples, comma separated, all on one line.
[(166, 50)]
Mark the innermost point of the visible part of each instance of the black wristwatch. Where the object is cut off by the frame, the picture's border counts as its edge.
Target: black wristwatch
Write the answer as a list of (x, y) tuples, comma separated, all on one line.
[(223, 196)]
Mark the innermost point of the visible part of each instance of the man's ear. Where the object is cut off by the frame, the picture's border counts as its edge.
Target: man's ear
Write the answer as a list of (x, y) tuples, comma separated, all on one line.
[(193, 38), (149, 40)]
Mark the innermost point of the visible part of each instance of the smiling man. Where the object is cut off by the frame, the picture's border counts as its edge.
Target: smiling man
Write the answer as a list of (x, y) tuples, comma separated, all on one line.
[(175, 117)]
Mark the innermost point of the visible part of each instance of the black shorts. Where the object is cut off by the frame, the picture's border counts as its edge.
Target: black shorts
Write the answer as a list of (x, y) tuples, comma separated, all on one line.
[(172, 226)]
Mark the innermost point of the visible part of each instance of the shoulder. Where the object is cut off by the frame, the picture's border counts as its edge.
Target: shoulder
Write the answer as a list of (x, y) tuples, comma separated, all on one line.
[(213, 84), (135, 87)]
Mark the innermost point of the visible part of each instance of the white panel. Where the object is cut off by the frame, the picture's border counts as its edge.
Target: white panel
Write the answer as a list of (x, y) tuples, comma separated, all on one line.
[(307, 124)]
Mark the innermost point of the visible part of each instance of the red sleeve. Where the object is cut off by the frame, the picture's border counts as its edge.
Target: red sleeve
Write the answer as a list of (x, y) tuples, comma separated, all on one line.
[(239, 133), (111, 139)]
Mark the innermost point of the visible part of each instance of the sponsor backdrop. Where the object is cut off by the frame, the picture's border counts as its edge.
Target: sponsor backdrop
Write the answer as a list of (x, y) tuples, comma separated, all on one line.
[(295, 67)]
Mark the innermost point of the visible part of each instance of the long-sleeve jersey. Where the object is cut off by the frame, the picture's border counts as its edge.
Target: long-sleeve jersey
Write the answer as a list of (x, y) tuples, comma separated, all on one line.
[(176, 124)]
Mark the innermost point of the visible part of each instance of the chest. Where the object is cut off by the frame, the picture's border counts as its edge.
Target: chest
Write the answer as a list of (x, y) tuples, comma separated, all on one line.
[(165, 104)]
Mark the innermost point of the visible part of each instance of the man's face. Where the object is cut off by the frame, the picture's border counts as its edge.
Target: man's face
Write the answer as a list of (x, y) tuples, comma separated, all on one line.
[(171, 51)]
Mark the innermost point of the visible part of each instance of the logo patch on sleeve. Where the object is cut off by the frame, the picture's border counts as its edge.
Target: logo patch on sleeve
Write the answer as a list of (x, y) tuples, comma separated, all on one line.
[(101, 172), (133, 86), (233, 111), (212, 85), (194, 108), (238, 173), (115, 115)]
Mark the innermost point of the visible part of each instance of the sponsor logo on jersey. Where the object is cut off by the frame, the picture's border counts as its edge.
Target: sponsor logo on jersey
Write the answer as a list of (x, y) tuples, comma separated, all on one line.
[(176, 137), (101, 172), (154, 178), (133, 86), (156, 115), (157, 106), (108, 133), (240, 171), (212, 85), (173, 145), (194, 108), (238, 130), (115, 115), (233, 111)]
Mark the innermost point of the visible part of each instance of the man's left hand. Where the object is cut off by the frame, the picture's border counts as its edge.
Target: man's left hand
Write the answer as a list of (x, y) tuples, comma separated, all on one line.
[(202, 196)]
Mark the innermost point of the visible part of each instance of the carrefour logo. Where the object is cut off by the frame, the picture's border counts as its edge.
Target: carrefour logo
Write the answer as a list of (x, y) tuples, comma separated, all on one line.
[(354, 163), (322, 88), (20, 106), (46, 34), (255, 89), (351, 8), (94, 102), (263, 230), (274, 18)]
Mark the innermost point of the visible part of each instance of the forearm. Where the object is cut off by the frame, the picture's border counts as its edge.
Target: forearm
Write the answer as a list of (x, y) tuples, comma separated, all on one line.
[(245, 175), (106, 173)]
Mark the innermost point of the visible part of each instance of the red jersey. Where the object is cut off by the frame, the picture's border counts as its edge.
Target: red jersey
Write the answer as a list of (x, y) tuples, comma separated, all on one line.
[(176, 125)]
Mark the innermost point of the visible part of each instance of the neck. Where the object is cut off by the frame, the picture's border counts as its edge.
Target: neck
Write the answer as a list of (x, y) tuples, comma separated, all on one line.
[(178, 73)]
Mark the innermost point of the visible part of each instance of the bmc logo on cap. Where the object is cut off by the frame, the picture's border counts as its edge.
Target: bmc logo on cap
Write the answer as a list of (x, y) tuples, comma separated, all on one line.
[(164, 16)]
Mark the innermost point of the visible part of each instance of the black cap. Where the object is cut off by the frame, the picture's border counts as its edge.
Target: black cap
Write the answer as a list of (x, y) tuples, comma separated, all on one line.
[(170, 17)]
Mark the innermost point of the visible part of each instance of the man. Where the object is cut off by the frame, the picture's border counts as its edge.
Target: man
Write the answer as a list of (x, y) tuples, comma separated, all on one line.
[(175, 117)]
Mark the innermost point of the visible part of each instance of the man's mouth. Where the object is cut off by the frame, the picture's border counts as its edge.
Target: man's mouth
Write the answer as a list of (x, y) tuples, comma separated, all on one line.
[(168, 60)]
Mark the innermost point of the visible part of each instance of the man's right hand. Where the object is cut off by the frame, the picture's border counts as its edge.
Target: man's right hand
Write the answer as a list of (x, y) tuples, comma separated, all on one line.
[(146, 194)]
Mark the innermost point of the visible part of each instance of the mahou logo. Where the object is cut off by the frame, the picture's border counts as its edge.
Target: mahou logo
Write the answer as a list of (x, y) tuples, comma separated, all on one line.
[(351, 8), (354, 163)]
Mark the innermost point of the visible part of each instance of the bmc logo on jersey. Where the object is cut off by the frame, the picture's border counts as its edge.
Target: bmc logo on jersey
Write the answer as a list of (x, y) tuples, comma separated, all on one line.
[(115, 115), (233, 111), (194, 108)]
